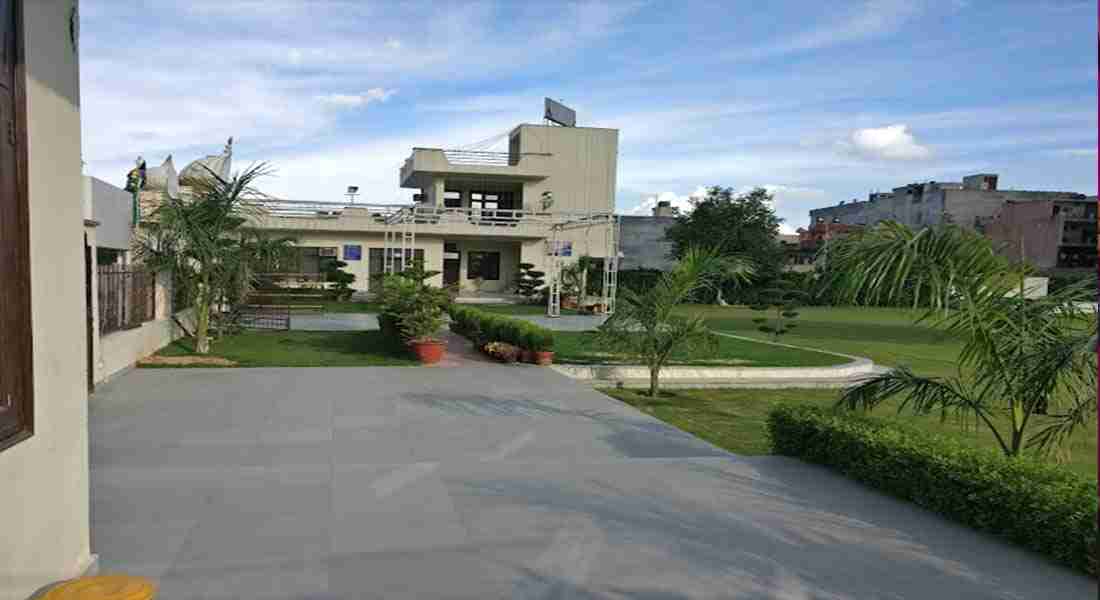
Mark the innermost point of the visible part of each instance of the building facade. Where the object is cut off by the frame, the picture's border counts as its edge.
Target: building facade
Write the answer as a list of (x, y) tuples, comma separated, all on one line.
[(477, 215), (1059, 241), (43, 389)]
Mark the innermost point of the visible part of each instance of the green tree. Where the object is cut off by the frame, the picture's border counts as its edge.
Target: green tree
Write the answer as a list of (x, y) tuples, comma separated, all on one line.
[(202, 239), (340, 279), (1020, 356), (739, 225), (646, 325), (529, 282), (784, 298)]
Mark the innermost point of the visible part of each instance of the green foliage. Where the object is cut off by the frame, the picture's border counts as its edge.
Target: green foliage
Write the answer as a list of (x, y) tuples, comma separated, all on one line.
[(485, 327), (645, 325), (1020, 356), (529, 282), (409, 308), (742, 225), (784, 298), (202, 240), (639, 280), (340, 279), (1047, 509)]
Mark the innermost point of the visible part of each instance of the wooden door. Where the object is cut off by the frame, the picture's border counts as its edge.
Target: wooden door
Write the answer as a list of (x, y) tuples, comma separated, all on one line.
[(450, 271), (16, 408)]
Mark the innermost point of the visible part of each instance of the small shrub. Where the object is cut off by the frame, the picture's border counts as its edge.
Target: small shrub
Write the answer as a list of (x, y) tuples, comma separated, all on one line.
[(1035, 505), (483, 328)]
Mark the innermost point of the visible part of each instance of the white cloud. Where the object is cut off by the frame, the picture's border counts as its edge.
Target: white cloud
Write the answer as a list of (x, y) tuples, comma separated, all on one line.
[(892, 142), (357, 100), (1080, 152), (683, 203), (871, 19)]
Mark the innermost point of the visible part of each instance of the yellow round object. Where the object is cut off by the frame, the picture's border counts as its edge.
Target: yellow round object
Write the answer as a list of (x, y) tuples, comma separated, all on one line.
[(104, 587)]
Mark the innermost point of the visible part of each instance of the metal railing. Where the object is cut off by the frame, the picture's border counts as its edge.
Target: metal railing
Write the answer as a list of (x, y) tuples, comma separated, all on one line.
[(479, 157), (127, 297)]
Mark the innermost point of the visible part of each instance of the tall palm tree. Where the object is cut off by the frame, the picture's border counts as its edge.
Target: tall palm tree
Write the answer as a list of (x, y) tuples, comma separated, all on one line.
[(201, 238), (1020, 357), (646, 325)]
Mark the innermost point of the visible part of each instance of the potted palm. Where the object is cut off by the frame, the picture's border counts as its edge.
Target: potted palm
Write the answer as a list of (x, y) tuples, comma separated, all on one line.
[(420, 327)]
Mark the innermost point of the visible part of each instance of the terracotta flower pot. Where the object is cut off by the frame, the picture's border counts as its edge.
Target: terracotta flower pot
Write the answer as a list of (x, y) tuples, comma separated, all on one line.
[(428, 351), (544, 358), (527, 356)]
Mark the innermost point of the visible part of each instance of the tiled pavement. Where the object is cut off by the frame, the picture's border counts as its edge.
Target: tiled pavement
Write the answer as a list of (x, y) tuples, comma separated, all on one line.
[(488, 482)]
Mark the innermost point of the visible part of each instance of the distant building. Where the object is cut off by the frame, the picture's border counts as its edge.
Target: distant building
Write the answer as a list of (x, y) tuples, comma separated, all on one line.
[(1050, 241), (1052, 235)]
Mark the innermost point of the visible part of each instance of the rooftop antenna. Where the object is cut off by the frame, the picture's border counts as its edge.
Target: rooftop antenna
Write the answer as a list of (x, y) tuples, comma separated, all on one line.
[(353, 191)]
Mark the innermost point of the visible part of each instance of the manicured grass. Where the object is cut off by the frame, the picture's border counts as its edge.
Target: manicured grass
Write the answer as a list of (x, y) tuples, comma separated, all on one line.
[(734, 419), (518, 309), (581, 347), (301, 349), (885, 335)]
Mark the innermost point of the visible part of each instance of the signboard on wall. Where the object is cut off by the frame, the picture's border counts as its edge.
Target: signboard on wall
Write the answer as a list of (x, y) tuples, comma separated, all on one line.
[(560, 248), (353, 252)]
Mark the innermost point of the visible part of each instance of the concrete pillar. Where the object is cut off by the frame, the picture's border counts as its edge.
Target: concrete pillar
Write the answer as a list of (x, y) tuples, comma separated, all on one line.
[(437, 190)]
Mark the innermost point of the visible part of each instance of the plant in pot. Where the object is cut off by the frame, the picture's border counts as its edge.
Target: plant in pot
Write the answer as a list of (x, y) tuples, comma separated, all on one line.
[(420, 326), (542, 346), (526, 342)]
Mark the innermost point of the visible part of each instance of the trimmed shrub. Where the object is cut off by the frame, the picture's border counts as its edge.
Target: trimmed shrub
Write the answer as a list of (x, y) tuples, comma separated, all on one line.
[(1036, 505), (483, 327)]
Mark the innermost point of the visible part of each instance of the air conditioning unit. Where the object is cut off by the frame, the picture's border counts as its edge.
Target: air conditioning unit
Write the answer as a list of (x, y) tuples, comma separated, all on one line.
[(327, 252)]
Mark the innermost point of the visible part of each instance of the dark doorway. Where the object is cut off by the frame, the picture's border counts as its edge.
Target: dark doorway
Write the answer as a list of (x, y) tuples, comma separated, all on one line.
[(89, 329), (450, 271)]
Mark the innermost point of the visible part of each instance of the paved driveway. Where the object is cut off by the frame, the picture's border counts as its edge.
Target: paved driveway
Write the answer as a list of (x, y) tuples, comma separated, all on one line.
[(490, 482)]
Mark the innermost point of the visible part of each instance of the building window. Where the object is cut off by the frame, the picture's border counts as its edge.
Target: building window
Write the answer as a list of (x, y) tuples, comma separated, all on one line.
[(127, 297), (376, 261), (452, 199), (485, 265)]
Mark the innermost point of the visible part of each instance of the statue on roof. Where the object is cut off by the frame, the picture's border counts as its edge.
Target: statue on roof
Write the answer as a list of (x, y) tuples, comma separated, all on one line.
[(218, 164)]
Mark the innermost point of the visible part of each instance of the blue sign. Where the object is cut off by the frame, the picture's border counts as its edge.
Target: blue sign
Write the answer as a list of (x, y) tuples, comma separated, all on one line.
[(353, 252)]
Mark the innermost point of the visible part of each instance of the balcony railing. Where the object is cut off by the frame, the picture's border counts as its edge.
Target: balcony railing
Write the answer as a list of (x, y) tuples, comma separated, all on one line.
[(479, 157)]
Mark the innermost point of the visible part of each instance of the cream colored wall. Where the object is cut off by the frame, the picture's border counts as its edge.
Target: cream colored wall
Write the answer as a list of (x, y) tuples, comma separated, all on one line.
[(46, 500), (509, 264), (119, 350), (581, 171), (432, 247)]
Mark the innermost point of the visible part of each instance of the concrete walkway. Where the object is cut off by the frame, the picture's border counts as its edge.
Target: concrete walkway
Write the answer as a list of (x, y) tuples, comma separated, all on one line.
[(334, 321), (488, 482)]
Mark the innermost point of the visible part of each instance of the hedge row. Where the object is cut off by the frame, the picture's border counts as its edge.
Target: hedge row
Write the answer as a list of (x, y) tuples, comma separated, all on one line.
[(1039, 506), (484, 327)]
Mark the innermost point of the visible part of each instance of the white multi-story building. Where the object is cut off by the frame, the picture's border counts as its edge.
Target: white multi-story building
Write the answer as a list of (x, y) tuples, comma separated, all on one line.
[(477, 215)]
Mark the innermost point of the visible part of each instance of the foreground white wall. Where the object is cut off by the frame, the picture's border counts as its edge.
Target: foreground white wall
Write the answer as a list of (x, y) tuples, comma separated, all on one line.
[(45, 509)]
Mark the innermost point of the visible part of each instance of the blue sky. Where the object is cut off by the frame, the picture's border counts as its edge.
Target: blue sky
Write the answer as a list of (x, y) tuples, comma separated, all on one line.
[(819, 102)]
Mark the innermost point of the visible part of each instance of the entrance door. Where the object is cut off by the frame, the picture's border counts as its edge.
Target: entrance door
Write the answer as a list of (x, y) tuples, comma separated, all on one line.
[(450, 271)]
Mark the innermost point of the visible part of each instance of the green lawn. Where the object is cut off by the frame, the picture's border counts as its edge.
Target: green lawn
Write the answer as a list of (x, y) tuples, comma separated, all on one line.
[(580, 347), (301, 349), (885, 335), (518, 309), (734, 419)]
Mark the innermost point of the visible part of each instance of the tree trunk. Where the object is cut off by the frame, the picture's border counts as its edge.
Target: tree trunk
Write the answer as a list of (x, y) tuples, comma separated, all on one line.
[(202, 328), (654, 381)]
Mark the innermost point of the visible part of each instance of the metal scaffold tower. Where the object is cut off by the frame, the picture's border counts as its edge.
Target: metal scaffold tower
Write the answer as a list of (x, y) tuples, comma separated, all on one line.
[(399, 242), (610, 224)]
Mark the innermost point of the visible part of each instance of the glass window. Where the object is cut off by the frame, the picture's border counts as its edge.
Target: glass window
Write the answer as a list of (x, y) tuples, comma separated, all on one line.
[(485, 265)]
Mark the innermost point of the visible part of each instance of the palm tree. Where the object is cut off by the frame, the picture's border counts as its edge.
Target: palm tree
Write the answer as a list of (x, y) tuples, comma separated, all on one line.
[(1020, 357), (646, 325), (201, 238)]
